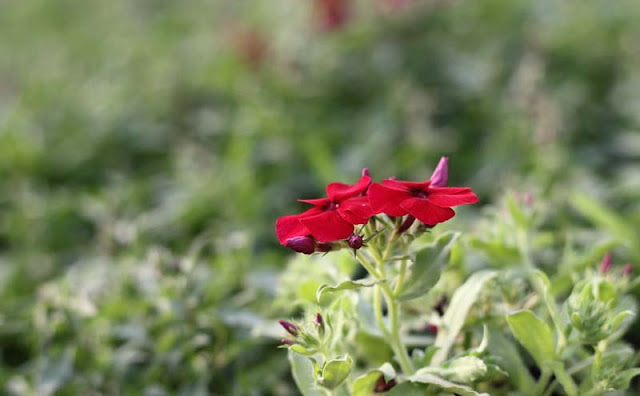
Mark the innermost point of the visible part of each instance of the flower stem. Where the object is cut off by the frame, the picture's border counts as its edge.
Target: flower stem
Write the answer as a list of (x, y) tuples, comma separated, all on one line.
[(395, 340), (368, 266)]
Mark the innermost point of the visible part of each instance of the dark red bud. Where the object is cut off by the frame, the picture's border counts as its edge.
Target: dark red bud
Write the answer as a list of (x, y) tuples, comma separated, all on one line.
[(408, 222), (355, 241), (287, 341), (301, 244), (319, 321), (365, 172), (626, 270), (289, 327), (323, 247), (432, 328), (605, 265), (382, 386)]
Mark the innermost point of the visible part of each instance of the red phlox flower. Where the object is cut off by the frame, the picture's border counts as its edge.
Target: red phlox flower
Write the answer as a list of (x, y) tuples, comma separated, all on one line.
[(427, 201), (331, 218), (332, 14)]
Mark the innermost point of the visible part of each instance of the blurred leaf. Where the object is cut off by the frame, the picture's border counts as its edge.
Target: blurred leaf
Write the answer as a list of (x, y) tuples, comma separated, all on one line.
[(456, 314), (303, 373), (365, 384), (427, 266), (534, 335)]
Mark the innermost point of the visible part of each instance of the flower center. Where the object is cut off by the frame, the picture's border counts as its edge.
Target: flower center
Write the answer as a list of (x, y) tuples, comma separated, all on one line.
[(419, 193), (332, 206)]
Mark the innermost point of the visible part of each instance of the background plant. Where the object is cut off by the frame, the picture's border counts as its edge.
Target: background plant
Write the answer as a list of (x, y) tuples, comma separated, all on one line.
[(126, 128)]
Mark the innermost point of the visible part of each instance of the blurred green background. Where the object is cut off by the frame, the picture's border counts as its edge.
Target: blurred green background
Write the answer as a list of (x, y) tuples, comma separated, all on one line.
[(147, 147)]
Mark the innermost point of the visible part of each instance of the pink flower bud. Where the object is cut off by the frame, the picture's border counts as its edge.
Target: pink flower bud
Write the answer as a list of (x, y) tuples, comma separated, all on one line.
[(605, 265), (287, 341), (355, 241), (626, 270), (301, 244), (440, 176), (289, 327), (319, 321), (365, 172)]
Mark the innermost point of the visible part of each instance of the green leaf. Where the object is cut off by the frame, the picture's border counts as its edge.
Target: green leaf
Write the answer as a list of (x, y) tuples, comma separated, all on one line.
[(335, 372), (626, 376), (427, 266), (465, 369), (303, 374), (365, 384), (346, 285), (424, 377), (406, 389), (534, 335), (510, 360), (456, 314), (611, 221)]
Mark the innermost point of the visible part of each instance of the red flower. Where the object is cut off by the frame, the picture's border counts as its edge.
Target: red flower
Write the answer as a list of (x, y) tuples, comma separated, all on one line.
[(331, 218), (426, 201), (332, 14)]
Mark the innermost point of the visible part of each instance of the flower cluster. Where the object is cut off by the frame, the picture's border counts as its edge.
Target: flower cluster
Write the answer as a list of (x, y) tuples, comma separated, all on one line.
[(334, 217)]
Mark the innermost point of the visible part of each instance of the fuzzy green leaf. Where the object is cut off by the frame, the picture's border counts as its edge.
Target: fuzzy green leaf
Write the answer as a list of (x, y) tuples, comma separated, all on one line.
[(457, 312), (335, 372), (534, 334), (427, 266), (424, 377), (365, 384), (303, 374), (346, 285)]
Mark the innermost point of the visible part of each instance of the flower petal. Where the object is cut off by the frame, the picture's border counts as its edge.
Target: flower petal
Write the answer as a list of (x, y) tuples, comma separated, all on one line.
[(427, 212), (356, 210), (289, 227), (407, 185), (317, 202), (328, 226), (387, 200), (338, 192), (451, 196)]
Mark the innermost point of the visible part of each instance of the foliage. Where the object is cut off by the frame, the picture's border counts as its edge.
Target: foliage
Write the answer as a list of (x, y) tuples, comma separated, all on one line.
[(146, 149)]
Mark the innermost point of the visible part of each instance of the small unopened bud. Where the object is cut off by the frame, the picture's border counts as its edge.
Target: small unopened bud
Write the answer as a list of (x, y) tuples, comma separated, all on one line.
[(440, 176), (408, 222), (319, 321), (605, 265), (289, 327), (626, 270), (355, 241), (301, 244), (431, 328), (288, 341), (365, 172)]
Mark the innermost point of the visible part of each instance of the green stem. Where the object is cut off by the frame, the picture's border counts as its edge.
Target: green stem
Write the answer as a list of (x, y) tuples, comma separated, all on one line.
[(368, 266), (396, 342), (523, 241), (377, 308), (403, 269), (543, 381)]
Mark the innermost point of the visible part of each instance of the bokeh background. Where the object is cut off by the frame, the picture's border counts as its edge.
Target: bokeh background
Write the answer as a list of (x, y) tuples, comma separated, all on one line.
[(147, 147)]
